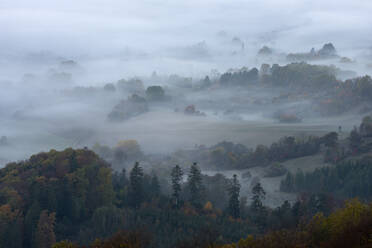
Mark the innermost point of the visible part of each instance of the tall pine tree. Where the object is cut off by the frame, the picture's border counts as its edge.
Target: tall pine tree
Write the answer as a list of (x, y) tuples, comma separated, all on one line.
[(195, 185), (136, 192), (176, 175), (258, 210), (234, 204)]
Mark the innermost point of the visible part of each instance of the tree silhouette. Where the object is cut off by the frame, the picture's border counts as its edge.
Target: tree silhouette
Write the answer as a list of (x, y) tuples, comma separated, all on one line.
[(234, 191), (176, 175), (136, 186), (195, 185)]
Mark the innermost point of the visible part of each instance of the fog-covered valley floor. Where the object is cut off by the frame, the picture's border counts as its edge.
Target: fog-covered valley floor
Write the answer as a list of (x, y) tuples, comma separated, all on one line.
[(39, 121)]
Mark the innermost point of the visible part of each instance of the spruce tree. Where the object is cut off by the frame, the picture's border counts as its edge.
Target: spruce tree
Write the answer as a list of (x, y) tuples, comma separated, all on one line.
[(176, 175), (259, 213), (258, 195), (136, 186), (195, 186), (234, 191)]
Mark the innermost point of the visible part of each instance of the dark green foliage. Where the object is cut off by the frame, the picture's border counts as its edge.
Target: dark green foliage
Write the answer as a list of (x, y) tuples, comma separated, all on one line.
[(258, 195), (176, 177), (234, 204), (346, 180), (126, 109), (303, 76), (258, 210), (195, 186), (106, 221), (136, 192), (242, 77), (155, 93), (227, 155), (215, 190)]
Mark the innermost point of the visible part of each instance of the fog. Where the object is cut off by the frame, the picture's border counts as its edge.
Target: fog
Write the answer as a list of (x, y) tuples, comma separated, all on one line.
[(123, 39), (126, 38)]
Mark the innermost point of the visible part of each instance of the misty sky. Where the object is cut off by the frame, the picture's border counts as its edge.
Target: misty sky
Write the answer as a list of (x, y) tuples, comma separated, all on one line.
[(99, 27)]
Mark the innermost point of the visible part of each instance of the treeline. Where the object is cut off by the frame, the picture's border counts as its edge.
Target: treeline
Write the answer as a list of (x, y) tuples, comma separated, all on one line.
[(227, 155), (349, 177), (74, 195), (241, 77), (348, 95), (296, 217), (345, 180), (295, 76), (317, 83), (301, 76)]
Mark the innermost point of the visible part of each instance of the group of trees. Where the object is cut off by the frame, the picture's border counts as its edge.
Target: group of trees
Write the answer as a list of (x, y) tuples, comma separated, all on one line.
[(294, 76), (241, 77), (126, 109), (307, 217), (345, 180), (326, 52), (348, 95), (317, 83), (123, 154), (51, 191), (74, 195), (227, 155), (197, 193), (349, 226), (302, 76)]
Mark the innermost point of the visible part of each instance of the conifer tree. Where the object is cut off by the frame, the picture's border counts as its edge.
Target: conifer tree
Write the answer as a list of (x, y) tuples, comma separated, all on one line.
[(258, 195), (136, 186), (176, 176), (234, 191), (195, 186), (259, 213)]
